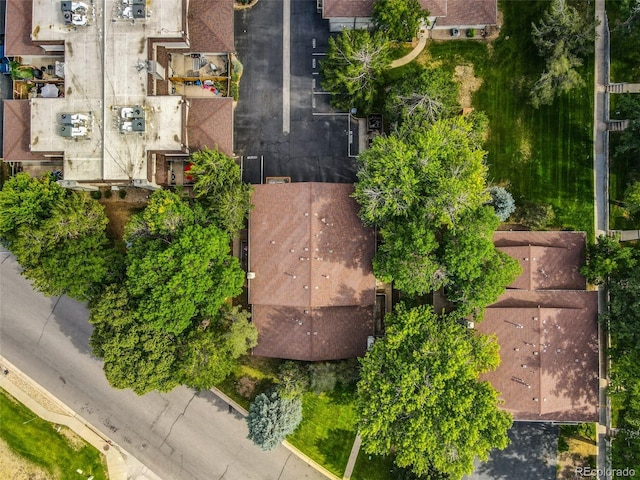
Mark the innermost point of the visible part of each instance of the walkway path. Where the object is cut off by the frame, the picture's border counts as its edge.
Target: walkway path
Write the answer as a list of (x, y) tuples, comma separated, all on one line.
[(409, 57), (601, 209), (120, 464), (352, 458)]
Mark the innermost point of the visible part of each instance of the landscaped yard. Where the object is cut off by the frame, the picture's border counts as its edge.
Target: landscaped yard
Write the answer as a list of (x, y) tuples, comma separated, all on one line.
[(540, 155), (373, 467), (327, 431), (59, 453)]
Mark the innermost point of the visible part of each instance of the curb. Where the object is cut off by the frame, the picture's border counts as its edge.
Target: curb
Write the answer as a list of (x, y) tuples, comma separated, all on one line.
[(115, 456), (242, 411)]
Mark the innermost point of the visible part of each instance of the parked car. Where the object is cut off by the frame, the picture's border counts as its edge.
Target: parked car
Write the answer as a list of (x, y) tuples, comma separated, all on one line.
[(5, 66)]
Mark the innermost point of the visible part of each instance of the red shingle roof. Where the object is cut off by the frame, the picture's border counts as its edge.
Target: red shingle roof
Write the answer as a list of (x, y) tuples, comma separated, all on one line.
[(547, 329), (469, 12), (449, 12), (18, 25), (17, 132), (310, 253), (210, 124), (325, 333), (210, 25)]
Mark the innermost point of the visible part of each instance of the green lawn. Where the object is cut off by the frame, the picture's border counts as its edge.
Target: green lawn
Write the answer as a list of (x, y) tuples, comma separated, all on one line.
[(38, 442), (625, 44), (542, 155), (327, 431)]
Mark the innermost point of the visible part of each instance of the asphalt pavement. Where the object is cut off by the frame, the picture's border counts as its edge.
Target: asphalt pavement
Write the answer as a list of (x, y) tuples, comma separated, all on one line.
[(181, 435), (313, 143)]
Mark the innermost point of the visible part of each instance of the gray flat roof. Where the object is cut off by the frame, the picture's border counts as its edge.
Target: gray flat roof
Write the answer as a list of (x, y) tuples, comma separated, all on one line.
[(103, 72)]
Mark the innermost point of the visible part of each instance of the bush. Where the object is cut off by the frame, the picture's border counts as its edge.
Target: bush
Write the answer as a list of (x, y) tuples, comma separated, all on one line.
[(293, 380), (323, 377), (271, 418), (502, 202), (348, 372), (471, 33), (122, 193), (235, 91), (96, 194), (108, 194), (536, 216)]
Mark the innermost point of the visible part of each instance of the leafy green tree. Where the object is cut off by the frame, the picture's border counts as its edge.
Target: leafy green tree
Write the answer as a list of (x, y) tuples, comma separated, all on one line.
[(218, 185), (436, 169), (429, 93), (632, 197), (478, 272), (398, 19), (605, 258), (409, 257), (502, 202), (209, 353), (293, 380), (26, 201), (352, 68), (135, 355), (57, 235), (322, 377), (563, 36), (419, 395), (174, 283), (271, 418)]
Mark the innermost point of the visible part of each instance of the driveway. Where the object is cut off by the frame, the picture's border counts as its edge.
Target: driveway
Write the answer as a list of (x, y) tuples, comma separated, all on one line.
[(281, 131), (530, 456), (180, 435)]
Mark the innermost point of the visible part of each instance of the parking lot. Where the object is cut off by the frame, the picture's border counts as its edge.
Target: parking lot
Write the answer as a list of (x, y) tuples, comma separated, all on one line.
[(288, 132), (530, 456)]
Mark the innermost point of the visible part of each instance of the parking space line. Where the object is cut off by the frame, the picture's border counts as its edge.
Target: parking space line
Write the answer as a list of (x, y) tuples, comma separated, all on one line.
[(319, 54), (322, 93), (286, 66)]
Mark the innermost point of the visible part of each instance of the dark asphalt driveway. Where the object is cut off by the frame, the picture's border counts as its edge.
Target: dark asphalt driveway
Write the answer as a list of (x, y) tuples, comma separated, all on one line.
[(316, 147), (530, 456)]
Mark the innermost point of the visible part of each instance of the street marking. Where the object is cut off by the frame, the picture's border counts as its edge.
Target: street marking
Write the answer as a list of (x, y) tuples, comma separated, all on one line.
[(335, 114), (313, 63), (313, 102), (313, 83), (315, 73), (261, 169), (286, 66), (313, 43), (322, 93), (318, 54)]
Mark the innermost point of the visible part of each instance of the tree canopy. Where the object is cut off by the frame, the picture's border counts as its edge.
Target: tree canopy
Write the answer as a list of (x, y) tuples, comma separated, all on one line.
[(398, 19), (352, 68), (218, 186), (170, 314), (419, 395), (57, 235), (502, 202), (427, 93), (271, 418), (563, 36)]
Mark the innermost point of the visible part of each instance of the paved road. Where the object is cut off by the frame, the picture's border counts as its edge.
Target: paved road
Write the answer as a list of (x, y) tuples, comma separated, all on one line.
[(181, 435), (313, 143)]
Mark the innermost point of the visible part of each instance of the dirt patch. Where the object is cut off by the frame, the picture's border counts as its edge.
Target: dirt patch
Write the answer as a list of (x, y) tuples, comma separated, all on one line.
[(581, 452), (246, 386), (17, 468), (469, 83), (119, 210)]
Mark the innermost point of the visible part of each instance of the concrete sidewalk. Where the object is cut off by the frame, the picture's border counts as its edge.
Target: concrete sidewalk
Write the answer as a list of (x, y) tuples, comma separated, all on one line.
[(413, 54), (120, 464)]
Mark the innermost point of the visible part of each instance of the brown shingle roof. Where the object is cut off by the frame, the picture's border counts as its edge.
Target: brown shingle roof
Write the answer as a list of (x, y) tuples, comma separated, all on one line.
[(309, 248), (546, 325), (17, 131), (464, 12), (470, 12), (210, 25), (314, 290), (210, 124), (18, 25), (549, 368), (326, 333)]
